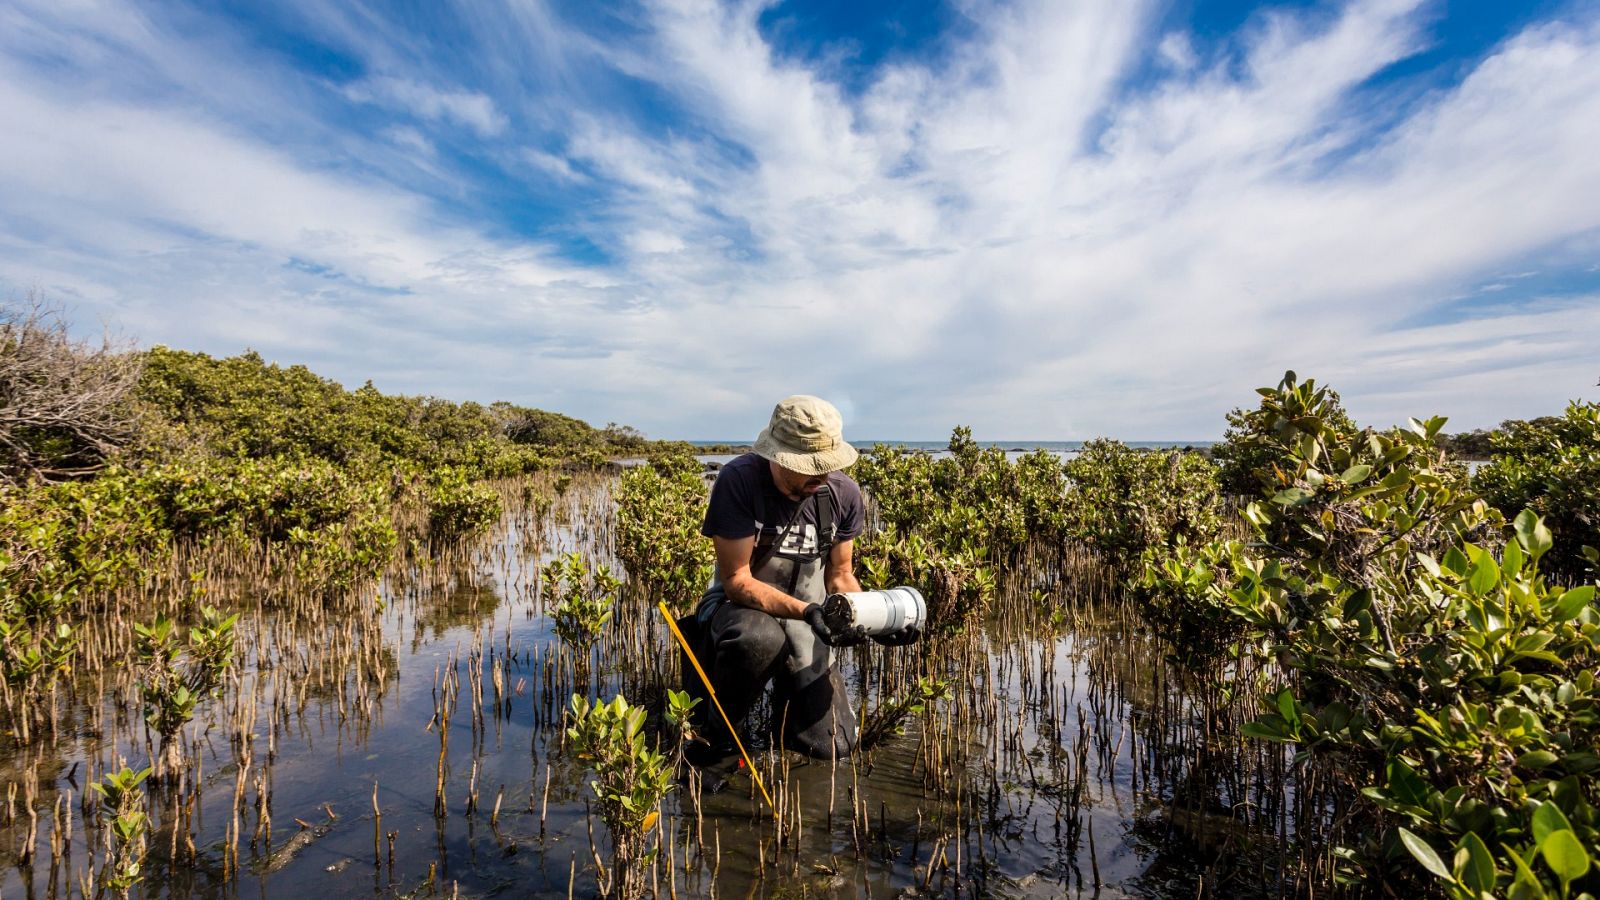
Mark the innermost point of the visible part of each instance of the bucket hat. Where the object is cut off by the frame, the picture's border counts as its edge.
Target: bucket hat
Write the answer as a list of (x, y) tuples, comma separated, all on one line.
[(806, 435)]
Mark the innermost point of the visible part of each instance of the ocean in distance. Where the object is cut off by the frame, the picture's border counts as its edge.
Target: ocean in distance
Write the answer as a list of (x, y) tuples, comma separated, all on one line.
[(1013, 449), (1009, 446)]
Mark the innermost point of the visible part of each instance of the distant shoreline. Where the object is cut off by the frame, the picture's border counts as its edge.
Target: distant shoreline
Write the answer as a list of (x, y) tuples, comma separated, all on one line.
[(1004, 445)]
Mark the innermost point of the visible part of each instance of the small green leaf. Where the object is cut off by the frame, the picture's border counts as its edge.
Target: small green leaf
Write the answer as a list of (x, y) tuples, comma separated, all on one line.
[(1292, 497), (1335, 717), (1532, 534), (1511, 559), (1536, 759), (1565, 854), (1541, 655), (1356, 474), (1480, 870), (1404, 784), (1287, 707), (1357, 603), (1547, 820), (1534, 641), (1426, 855), (1263, 732), (1572, 603), (1485, 575), (1524, 885)]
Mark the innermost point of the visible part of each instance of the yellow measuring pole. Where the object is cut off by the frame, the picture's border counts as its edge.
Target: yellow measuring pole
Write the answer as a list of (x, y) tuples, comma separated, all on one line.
[(684, 643)]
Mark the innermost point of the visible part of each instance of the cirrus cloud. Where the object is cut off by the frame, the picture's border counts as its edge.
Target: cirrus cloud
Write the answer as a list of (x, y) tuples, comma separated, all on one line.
[(1054, 221)]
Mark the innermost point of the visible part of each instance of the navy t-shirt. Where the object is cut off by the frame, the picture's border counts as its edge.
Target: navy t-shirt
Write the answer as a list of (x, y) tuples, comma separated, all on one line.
[(745, 501)]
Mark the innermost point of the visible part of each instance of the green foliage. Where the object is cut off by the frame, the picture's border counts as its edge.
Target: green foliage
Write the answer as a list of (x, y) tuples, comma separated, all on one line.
[(176, 674), (1477, 444), (582, 601), (1128, 503), (239, 447), (122, 808), (625, 439), (978, 503), (457, 507), (957, 585), (1182, 590), (244, 406), (1253, 448), (333, 525), (631, 780), (680, 714), (244, 447), (540, 428), (1453, 686), (659, 509), (208, 499), (59, 543), (1551, 465), (292, 475), (1358, 507), (236, 451), (947, 522), (32, 659), (1487, 726), (889, 717)]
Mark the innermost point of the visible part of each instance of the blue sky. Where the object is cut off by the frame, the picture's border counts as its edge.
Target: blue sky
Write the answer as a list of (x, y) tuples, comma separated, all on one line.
[(1045, 220)]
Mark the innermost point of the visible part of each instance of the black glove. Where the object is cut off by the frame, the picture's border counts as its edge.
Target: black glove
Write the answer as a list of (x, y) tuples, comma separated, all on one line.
[(901, 638), (848, 637)]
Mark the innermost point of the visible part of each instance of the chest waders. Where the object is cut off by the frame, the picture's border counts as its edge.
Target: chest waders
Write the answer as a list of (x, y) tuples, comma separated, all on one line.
[(810, 703)]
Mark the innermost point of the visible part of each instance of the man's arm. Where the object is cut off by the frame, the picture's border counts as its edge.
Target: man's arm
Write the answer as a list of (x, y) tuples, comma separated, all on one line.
[(840, 576), (742, 586)]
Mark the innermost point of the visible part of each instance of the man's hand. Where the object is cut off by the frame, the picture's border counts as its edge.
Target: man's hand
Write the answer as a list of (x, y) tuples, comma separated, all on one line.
[(848, 637), (901, 638)]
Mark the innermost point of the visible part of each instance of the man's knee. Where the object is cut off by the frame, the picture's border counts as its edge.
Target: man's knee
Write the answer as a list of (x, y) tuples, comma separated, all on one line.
[(749, 639)]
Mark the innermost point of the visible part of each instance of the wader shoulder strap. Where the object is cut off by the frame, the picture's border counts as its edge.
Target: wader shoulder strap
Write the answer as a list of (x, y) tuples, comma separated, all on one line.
[(825, 531), (823, 499)]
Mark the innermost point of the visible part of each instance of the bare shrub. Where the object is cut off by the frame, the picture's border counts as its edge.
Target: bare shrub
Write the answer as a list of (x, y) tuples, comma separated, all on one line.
[(65, 405)]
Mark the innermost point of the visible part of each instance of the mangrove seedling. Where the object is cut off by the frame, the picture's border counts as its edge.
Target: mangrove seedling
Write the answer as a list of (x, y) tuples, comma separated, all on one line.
[(632, 780), (659, 507), (680, 716), (175, 675), (890, 716), (583, 602), (123, 809)]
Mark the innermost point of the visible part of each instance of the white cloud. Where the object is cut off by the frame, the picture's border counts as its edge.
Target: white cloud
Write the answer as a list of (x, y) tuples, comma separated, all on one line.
[(650, 241), (429, 103), (552, 164), (410, 139), (1177, 52), (1014, 238), (1145, 284), (192, 235)]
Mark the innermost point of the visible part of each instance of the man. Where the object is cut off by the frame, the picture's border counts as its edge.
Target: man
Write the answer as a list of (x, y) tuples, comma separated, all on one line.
[(783, 521)]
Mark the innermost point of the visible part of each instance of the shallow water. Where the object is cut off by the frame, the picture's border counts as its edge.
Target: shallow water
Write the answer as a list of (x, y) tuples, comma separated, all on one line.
[(1051, 771)]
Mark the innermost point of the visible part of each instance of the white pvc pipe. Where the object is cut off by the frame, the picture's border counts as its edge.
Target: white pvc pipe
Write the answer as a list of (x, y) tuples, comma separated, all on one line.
[(877, 612)]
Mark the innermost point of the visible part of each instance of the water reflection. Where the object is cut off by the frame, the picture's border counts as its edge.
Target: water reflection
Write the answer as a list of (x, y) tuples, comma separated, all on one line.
[(417, 747)]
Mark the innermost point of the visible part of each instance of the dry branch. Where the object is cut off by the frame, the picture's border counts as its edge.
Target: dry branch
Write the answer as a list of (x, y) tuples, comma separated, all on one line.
[(65, 405)]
